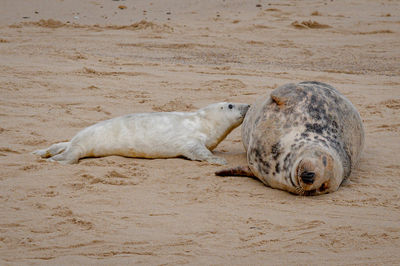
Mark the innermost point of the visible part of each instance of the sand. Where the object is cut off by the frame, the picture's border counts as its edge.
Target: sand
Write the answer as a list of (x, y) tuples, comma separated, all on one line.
[(67, 64)]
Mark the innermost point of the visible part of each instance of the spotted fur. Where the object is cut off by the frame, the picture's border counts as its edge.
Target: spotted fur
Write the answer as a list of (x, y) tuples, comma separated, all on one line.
[(303, 127)]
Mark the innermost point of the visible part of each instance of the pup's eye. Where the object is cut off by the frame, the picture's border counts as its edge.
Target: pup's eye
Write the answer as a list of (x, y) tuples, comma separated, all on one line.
[(230, 106)]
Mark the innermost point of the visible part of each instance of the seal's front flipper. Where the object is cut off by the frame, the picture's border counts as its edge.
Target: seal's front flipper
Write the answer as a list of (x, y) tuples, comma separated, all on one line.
[(287, 95), (199, 152), (280, 101), (236, 171)]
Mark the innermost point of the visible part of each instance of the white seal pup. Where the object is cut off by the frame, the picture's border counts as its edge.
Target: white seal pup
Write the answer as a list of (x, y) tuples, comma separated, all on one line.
[(154, 135), (304, 138)]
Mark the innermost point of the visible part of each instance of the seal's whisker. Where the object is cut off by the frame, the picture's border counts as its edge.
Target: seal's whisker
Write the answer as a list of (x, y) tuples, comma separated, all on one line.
[(300, 190)]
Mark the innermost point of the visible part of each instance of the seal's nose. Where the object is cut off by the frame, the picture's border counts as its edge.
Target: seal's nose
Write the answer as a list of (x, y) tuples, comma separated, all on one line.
[(307, 177), (245, 108)]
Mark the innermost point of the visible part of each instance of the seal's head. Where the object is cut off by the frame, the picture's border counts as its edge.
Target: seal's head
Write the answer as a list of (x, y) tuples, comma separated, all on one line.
[(232, 113), (317, 171), (219, 119)]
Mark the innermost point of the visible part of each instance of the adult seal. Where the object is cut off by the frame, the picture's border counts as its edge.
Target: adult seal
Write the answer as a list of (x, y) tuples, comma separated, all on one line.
[(304, 138), (154, 135)]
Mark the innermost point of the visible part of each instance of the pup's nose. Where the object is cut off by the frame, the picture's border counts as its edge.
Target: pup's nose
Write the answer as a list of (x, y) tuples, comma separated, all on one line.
[(307, 177), (245, 108)]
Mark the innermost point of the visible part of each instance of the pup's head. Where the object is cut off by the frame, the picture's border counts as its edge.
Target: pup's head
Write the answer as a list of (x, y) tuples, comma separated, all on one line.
[(233, 113), (219, 119)]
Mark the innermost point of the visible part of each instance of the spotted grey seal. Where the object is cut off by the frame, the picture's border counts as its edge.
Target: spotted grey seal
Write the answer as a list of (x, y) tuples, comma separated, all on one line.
[(304, 138), (154, 135)]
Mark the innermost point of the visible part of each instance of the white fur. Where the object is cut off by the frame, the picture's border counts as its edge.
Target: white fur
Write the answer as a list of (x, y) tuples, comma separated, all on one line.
[(154, 135)]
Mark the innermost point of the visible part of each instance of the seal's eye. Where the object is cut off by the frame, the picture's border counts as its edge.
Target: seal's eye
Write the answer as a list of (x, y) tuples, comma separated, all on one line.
[(230, 106)]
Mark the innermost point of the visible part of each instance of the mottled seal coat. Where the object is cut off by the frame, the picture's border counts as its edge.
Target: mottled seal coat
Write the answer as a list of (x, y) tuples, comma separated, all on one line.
[(154, 135), (304, 138)]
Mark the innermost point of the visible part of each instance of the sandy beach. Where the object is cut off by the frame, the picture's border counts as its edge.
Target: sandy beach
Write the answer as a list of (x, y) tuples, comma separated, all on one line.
[(66, 65)]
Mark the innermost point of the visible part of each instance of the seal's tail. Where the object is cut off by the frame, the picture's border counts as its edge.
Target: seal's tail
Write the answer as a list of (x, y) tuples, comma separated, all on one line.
[(236, 171)]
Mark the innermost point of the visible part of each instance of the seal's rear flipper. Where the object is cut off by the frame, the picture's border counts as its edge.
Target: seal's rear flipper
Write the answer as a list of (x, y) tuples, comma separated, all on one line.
[(52, 150), (236, 171)]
